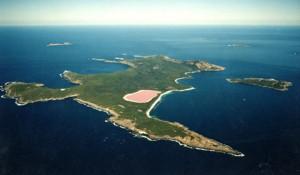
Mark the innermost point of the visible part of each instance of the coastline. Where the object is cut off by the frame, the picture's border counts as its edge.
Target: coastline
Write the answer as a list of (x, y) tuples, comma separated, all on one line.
[(130, 126), (2, 90), (159, 98), (203, 149), (93, 106), (44, 100), (23, 103), (66, 77), (116, 61), (112, 114)]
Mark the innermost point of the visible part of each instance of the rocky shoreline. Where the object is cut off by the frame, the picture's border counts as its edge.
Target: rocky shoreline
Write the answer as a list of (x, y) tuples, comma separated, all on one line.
[(191, 141), (65, 76), (21, 102)]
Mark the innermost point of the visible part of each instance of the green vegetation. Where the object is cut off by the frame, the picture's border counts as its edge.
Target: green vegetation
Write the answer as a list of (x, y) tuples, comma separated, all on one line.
[(32, 92), (263, 82), (105, 91)]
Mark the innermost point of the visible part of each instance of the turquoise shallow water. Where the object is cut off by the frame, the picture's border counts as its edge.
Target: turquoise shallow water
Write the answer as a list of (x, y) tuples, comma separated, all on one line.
[(67, 138)]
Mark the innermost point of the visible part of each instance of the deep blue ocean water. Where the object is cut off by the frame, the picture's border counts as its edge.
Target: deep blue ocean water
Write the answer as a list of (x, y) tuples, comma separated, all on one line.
[(64, 137)]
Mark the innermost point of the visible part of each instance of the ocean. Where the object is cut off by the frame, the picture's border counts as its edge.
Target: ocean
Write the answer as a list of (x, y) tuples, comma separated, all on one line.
[(64, 137)]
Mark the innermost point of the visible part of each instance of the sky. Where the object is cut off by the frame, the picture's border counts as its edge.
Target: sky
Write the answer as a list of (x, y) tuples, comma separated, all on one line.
[(150, 12)]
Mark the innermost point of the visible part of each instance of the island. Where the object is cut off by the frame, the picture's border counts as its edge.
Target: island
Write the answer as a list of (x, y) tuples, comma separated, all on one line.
[(59, 44), (238, 45), (263, 82), (129, 96)]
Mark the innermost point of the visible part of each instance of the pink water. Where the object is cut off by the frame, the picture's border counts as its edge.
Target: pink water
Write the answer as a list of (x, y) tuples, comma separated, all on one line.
[(141, 96)]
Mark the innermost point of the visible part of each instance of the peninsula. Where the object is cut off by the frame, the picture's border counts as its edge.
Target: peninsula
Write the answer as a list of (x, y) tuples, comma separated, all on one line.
[(129, 96), (263, 82)]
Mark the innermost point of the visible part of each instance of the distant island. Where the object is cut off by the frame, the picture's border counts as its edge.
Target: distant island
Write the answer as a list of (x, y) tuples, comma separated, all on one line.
[(59, 44), (263, 82), (129, 96), (237, 45)]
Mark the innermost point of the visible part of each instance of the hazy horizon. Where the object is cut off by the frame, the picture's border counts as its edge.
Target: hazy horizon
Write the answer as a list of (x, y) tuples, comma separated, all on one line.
[(133, 12)]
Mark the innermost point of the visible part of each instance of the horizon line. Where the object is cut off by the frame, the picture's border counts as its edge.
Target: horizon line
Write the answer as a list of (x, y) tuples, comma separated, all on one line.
[(24, 25)]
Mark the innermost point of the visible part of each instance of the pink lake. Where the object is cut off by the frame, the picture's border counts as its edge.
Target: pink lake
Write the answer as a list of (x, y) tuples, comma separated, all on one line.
[(141, 96)]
